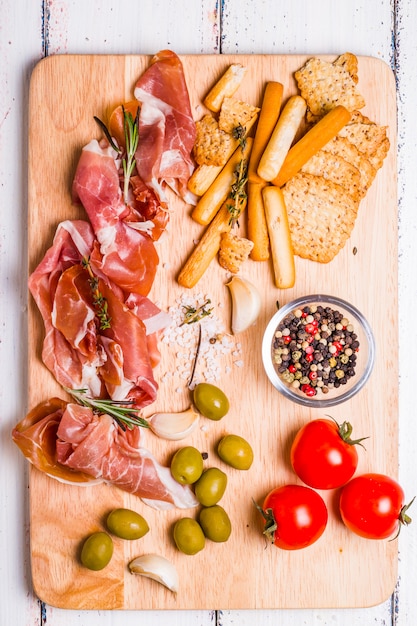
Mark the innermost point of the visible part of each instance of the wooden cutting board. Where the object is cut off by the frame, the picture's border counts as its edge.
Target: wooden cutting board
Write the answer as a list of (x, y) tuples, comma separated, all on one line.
[(340, 570)]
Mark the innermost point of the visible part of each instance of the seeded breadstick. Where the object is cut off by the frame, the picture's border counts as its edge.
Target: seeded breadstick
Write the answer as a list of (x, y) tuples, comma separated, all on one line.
[(257, 227), (268, 117), (315, 139), (279, 237), (282, 137), (225, 86), (208, 247)]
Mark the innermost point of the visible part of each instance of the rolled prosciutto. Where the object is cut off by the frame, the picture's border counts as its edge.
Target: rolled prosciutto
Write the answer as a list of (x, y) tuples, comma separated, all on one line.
[(72, 443)]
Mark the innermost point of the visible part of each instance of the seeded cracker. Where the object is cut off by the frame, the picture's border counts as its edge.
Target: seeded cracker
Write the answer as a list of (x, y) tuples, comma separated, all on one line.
[(212, 146), (324, 85), (342, 147), (321, 216), (234, 113), (369, 138), (234, 251), (335, 168), (350, 63)]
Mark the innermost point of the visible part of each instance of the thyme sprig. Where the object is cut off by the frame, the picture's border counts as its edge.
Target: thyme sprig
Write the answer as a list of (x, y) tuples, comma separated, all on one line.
[(193, 314), (121, 411), (238, 190), (99, 301), (131, 129)]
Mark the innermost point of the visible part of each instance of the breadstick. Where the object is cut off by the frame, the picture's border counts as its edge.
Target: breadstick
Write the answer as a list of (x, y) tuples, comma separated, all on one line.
[(279, 237), (282, 137), (268, 117), (208, 205), (208, 246), (225, 87), (257, 227), (314, 139)]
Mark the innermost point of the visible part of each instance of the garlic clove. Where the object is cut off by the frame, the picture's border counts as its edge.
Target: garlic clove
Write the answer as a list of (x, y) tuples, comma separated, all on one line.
[(246, 303), (157, 568), (174, 426)]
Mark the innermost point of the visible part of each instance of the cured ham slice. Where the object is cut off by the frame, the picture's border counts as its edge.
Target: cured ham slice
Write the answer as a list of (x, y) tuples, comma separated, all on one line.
[(166, 127), (115, 361), (72, 443), (125, 252), (73, 241)]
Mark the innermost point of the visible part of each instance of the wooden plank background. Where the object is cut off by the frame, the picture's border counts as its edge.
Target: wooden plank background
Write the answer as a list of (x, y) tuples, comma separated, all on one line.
[(381, 28), (340, 570)]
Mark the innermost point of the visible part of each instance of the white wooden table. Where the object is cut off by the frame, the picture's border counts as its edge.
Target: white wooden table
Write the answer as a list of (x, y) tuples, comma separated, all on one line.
[(32, 29)]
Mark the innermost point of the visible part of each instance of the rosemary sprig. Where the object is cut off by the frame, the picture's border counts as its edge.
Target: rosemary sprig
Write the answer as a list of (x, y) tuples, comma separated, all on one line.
[(131, 132), (193, 314), (99, 301), (238, 190), (131, 129), (107, 134), (126, 416)]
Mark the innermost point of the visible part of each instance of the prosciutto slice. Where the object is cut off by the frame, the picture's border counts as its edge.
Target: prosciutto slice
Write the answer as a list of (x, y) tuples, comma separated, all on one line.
[(124, 252), (71, 443), (115, 362), (166, 127)]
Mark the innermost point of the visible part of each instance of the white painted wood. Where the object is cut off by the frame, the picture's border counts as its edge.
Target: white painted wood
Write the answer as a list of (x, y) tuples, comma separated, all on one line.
[(231, 26), (132, 26), (305, 27), (18, 55)]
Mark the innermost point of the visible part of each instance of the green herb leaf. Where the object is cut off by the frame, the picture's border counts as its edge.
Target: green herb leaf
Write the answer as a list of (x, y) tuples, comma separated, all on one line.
[(107, 134), (99, 301), (193, 315), (238, 191), (131, 129), (121, 411)]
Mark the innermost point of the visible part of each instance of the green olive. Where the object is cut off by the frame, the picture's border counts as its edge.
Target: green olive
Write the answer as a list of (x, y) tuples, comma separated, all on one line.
[(127, 524), (211, 486), (215, 523), (97, 551), (188, 535), (210, 401), (187, 465), (235, 451)]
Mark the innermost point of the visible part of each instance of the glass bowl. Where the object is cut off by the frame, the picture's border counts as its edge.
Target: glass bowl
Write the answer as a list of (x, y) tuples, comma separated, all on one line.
[(318, 350)]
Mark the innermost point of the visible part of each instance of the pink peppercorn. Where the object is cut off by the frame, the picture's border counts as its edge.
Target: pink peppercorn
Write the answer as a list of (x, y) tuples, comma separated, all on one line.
[(308, 390)]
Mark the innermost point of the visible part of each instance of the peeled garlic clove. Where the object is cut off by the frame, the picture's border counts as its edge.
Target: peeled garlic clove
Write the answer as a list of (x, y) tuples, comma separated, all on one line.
[(174, 426), (158, 568), (246, 303)]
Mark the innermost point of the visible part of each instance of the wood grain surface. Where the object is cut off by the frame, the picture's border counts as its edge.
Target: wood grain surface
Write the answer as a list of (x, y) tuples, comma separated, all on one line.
[(340, 570)]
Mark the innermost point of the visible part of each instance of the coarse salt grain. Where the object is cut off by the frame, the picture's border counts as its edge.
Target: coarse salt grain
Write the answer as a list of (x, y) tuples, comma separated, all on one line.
[(215, 343)]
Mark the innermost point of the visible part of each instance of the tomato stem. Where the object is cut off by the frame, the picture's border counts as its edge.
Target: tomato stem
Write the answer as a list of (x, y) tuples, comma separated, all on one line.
[(270, 522), (345, 430), (403, 518)]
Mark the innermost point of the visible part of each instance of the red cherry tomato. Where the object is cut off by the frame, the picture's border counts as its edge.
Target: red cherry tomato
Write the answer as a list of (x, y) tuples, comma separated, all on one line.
[(323, 455), (295, 516), (372, 506)]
